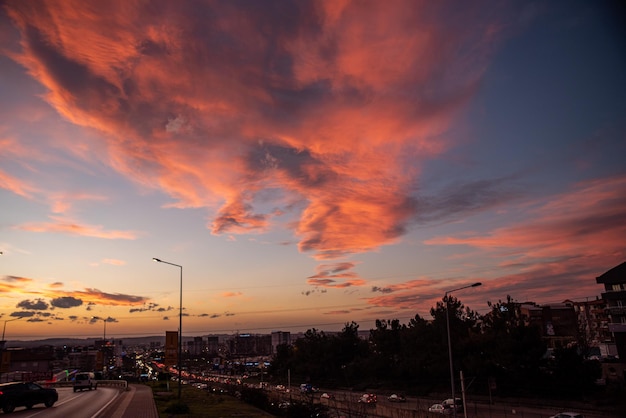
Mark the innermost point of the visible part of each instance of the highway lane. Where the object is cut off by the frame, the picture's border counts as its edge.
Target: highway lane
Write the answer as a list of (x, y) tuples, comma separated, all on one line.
[(86, 404)]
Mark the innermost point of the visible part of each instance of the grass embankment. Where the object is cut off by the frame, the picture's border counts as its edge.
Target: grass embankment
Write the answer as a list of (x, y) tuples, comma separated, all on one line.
[(201, 403)]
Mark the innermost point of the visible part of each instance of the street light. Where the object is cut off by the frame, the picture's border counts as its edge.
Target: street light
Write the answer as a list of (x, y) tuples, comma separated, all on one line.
[(180, 323), (104, 336), (5, 325), (445, 296)]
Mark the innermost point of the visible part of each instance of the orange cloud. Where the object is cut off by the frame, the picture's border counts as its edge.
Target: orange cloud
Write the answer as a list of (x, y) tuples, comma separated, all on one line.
[(17, 279), (71, 228), (335, 284), (95, 296), (231, 294), (330, 112), (62, 203), (114, 262)]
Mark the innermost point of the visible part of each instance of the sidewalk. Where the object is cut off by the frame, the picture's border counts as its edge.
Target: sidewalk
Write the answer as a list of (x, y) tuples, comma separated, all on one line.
[(136, 402)]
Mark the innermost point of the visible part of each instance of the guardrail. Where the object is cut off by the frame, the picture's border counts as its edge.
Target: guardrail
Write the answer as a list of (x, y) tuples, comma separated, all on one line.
[(122, 384)]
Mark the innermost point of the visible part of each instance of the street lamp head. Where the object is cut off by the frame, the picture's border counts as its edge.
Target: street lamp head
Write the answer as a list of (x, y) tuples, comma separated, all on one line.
[(477, 284), (156, 259)]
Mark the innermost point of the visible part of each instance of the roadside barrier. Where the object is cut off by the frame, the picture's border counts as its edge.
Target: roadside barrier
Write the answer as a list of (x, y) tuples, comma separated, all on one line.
[(122, 384)]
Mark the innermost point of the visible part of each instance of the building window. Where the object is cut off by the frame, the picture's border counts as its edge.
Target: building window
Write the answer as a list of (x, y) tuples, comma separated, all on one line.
[(617, 286)]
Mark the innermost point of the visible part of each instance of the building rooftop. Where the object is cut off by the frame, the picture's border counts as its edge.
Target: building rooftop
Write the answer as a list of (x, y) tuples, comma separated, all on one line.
[(615, 275)]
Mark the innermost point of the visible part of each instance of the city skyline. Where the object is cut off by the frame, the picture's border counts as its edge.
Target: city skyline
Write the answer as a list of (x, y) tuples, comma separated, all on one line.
[(308, 164)]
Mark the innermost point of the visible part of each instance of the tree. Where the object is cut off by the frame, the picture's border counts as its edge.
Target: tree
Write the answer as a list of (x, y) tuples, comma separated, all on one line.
[(509, 349)]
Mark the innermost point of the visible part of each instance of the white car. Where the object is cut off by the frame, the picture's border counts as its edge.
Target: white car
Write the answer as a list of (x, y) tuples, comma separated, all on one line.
[(368, 398), (439, 409), (568, 415)]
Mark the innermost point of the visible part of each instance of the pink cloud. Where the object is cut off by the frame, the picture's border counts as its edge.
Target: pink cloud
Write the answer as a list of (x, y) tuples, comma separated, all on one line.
[(335, 283), (231, 294), (15, 185), (585, 221), (68, 227), (323, 116)]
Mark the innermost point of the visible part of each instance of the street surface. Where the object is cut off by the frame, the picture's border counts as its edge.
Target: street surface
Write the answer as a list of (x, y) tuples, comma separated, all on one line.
[(85, 404)]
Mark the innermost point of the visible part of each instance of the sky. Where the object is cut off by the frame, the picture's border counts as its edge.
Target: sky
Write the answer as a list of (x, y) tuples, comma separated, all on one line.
[(303, 164)]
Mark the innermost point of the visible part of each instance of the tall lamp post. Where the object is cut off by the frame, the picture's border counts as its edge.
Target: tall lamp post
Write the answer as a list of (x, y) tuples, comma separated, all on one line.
[(105, 366), (5, 327), (445, 296), (104, 335), (180, 323), (3, 342)]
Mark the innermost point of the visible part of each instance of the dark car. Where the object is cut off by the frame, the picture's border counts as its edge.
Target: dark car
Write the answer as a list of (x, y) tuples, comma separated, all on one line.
[(25, 394)]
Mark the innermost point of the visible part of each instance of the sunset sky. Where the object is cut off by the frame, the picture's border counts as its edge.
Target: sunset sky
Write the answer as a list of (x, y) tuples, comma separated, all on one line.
[(308, 163)]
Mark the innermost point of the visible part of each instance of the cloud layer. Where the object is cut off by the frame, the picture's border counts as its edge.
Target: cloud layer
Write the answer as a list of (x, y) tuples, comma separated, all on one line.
[(326, 108)]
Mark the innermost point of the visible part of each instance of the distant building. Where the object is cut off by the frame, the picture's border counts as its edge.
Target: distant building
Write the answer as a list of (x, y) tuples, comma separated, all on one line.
[(85, 359), (614, 282), (196, 346), (248, 345), (280, 337), (558, 322), (213, 344)]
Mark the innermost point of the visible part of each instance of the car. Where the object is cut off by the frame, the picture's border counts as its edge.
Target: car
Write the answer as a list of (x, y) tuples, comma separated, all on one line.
[(456, 404), (439, 409), (85, 380), (368, 398), (567, 415), (396, 398), (25, 394)]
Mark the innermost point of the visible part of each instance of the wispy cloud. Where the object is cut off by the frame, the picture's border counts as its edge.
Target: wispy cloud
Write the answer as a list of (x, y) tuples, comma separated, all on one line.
[(69, 227), (584, 222), (114, 262), (16, 185)]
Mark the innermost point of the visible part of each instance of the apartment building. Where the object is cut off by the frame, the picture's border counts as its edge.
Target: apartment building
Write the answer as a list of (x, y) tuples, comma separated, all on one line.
[(614, 295)]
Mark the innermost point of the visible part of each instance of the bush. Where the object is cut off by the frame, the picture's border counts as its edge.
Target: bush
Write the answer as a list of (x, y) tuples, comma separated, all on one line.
[(177, 407)]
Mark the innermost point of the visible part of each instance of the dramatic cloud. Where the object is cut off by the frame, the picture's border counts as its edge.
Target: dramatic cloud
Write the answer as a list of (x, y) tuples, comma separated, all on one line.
[(330, 111)]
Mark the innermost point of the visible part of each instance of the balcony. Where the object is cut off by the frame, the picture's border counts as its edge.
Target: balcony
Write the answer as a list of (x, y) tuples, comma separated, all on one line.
[(616, 310)]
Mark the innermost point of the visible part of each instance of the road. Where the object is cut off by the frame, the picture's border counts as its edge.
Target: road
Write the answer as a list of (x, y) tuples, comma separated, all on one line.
[(86, 404), (346, 402)]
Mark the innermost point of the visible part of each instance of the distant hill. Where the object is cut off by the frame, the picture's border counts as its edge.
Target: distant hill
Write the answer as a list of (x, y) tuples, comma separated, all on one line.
[(86, 341)]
